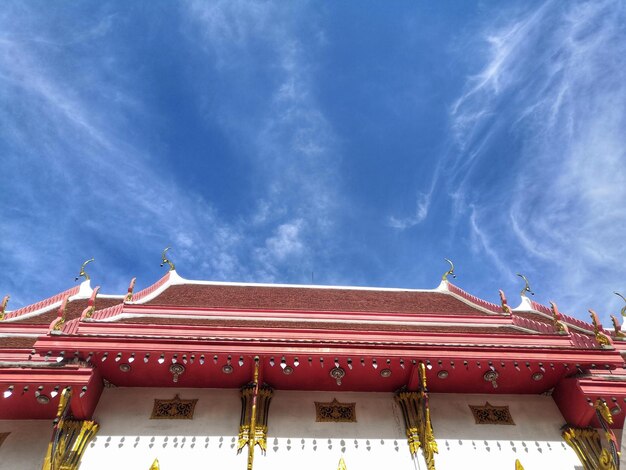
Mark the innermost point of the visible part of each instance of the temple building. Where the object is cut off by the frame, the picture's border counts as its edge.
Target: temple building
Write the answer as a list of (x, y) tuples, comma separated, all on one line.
[(210, 375)]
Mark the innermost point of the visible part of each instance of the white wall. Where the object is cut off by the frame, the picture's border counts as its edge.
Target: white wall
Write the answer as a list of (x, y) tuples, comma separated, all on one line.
[(535, 439), (26, 446), (129, 439)]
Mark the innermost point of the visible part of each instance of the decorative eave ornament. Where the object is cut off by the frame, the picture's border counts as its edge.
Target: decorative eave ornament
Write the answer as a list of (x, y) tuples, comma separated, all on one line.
[(505, 306), (155, 465), (602, 339), (57, 325), (129, 294), (559, 327), (165, 260), (617, 329), (449, 272), (82, 272), (3, 306), (518, 465), (91, 305)]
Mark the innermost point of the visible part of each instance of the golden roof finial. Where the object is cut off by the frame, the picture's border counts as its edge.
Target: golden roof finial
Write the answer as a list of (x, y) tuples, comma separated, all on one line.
[(165, 261), (3, 306), (518, 465), (526, 286), (82, 272), (601, 338), (623, 311), (449, 272), (342, 465), (155, 465)]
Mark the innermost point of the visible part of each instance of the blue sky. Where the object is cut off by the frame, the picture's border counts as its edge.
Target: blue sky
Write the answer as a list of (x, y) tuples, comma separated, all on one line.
[(347, 143)]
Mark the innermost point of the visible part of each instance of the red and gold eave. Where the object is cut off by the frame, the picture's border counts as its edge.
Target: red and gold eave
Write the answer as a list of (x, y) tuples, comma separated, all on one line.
[(301, 333)]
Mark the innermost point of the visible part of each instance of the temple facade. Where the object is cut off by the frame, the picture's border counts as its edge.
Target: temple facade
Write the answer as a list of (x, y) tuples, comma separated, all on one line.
[(196, 375)]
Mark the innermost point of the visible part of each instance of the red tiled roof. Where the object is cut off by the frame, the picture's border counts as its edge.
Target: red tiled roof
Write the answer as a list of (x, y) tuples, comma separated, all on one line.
[(73, 310), (311, 298), (13, 342)]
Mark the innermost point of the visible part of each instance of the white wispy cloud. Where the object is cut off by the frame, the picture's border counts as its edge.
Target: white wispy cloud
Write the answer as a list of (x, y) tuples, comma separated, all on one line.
[(553, 87), (82, 179)]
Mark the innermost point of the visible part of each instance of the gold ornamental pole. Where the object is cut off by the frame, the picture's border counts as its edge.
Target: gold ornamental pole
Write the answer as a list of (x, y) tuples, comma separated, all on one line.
[(252, 441)]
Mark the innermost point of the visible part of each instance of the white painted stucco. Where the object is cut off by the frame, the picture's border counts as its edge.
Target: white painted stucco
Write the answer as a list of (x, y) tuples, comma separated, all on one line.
[(129, 439), (535, 439), (26, 445)]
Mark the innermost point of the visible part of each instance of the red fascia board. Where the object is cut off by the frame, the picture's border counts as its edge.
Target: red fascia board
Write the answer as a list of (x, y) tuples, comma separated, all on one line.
[(41, 376), (254, 347), (322, 335), (22, 329), (148, 310)]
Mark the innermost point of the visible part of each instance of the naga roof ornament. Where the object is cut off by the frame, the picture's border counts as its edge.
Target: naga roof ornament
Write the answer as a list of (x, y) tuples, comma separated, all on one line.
[(602, 339), (557, 318), (505, 306), (82, 272), (3, 306), (91, 304), (449, 272), (165, 260), (131, 287)]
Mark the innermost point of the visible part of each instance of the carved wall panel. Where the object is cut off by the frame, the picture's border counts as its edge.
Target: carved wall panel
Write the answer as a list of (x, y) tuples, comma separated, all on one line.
[(489, 414), (335, 412), (173, 409)]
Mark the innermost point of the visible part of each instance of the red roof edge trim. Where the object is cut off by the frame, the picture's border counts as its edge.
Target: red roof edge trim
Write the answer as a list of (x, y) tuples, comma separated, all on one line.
[(151, 289), (107, 312), (531, 324), (566, 318), (41, 305), (473, 299)]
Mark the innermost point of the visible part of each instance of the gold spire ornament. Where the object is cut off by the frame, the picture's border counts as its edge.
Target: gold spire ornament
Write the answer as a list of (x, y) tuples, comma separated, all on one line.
[(449, 272), (82, 272), (165, 260), (526, 286), (342, 464), (155, 465), (518, 465)]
